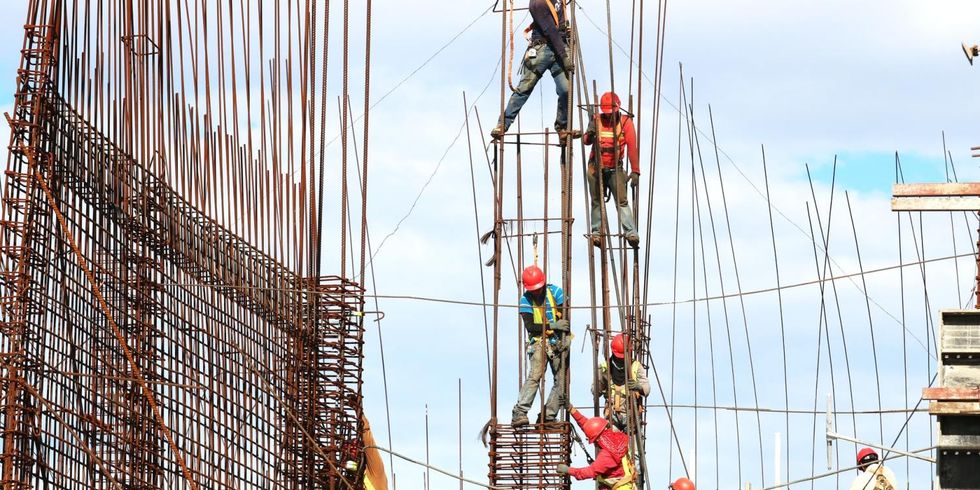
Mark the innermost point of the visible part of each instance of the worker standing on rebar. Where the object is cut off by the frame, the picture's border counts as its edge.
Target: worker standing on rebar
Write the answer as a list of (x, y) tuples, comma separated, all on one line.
[(541, 310), (547, 50), (616, 137), (626, 383), (872, 475), (613, 468)]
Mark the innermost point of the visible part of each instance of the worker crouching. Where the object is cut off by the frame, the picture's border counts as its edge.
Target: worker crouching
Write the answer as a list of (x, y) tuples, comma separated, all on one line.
[(613, 468)]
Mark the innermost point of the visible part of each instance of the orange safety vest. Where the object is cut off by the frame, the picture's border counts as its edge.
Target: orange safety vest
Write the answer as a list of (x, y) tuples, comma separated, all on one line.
[(612, 142)]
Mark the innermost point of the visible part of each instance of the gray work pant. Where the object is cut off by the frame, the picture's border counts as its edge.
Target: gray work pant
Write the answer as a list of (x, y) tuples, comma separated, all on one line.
[(613, 179), (557, 359)]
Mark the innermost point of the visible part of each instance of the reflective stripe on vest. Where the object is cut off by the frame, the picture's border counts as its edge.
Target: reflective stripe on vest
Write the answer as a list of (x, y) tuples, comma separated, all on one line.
[(608, 136), (539, 316), (619, 391)]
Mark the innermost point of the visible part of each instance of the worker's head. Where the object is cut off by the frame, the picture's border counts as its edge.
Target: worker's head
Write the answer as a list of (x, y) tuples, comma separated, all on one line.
[(594, 427), (682, 484), (609, 103), (618, 346), (865, 458), (533, 279)]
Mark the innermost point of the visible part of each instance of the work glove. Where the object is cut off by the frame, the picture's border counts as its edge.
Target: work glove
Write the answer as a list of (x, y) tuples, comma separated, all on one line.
[(563, 469), (633, 385), (568, 64), (561, 326), (634, 179)]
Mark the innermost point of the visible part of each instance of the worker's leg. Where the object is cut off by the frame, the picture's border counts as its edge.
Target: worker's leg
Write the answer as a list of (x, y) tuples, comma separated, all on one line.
[(596, 197), (559, 369), (535, 358), (533, 69), (618, 187), (561, 89)]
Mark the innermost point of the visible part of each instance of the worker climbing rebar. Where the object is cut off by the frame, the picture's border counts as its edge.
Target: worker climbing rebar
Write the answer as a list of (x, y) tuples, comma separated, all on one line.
[(615, 135), (547, 50), (613, 466), (872, 475), (541, 310), (626, 383)]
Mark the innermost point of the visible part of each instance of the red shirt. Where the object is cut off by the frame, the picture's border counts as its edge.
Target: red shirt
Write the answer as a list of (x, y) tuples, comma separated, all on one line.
[(613, 445)]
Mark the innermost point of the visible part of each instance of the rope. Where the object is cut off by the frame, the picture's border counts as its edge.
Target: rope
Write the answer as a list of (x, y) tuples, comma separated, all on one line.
[(436, 468)]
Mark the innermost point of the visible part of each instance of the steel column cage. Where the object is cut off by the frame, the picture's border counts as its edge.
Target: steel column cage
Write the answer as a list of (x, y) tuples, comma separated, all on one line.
[(256, 370)]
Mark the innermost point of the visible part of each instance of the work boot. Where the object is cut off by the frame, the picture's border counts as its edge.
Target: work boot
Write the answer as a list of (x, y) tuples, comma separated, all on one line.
[(596, 241), (633, 239), (519, 419), (497, 132), (546, 419)]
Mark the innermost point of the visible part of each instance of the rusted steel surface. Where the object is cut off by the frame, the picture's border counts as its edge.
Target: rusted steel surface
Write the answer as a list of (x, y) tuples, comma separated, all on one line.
[(931, 190), (528, 457), (961, 394), (164, 321)]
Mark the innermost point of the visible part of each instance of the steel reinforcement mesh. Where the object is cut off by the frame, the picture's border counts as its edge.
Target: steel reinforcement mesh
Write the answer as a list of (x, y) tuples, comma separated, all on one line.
[(116, 291)]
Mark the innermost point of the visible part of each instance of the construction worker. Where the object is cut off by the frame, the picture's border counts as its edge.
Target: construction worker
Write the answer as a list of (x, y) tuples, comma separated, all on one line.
[(616, 137), (547, 50), (682, 484), (541, 310), (613, 468), (872, 475), (625, 383)]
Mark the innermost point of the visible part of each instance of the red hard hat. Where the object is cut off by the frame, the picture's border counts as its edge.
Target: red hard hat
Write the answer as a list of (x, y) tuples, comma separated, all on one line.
[(593, 427), (682, 484), (618, 346), (533, 278), (609, 103), (864, 453)]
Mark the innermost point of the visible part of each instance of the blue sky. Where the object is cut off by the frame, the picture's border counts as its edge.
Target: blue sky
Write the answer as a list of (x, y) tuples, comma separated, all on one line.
[(809, 80)]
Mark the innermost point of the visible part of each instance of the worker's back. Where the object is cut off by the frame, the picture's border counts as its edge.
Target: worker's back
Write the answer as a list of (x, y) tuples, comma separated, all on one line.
[(876, 477)]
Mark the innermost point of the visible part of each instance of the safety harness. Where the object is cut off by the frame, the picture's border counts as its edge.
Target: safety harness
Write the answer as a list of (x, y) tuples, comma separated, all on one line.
[(624, 482), (617, 401), (612, 142), (554, 15), (541, 318)]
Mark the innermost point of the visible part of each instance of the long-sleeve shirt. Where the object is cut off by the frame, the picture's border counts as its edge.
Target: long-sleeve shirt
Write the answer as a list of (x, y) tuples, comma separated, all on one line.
[(606, 464), (544, 26), (641, 378), (629, 135)]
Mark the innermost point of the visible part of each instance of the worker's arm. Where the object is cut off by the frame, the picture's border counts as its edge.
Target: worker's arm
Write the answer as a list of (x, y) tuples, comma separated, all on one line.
[(541, 14), (603, 465), (589, 137), (641, 379), (599, 387), (533, 329), (632, 150), (579, 418)]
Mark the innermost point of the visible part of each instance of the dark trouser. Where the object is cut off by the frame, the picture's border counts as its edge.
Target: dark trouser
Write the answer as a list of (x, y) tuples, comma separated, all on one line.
[(556, 356), (613, 179), (534, 69)]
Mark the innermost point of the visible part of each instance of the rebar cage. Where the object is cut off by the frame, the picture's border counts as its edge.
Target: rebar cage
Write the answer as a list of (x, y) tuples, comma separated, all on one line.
[(145, 345)]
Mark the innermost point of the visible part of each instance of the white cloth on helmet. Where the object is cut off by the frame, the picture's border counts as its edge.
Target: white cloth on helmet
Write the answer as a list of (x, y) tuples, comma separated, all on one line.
[(876, 477)]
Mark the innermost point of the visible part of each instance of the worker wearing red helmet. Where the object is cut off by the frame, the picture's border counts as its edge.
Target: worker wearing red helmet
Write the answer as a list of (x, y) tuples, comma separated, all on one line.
[(541, 310), (613, 468), (617, 383), (872, 475), (616, 137)]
